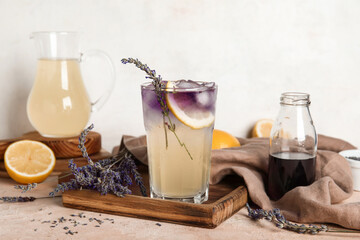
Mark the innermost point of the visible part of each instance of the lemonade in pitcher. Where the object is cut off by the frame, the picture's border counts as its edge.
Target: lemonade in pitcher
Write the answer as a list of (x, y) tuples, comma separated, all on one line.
[(58, 104), (60, 95), (179, 163)]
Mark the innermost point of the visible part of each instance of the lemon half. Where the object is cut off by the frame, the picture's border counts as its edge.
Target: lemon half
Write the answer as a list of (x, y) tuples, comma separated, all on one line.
[(262, 128), (29, 161)]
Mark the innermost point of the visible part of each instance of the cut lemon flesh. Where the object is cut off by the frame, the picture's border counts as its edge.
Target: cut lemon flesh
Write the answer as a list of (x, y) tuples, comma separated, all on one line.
[(29, 161), (262, 128), (223, 139), (189, 110)]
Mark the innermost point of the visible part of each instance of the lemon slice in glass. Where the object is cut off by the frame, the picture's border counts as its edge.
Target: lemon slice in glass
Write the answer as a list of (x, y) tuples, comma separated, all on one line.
[(189, 102), (29, 161)]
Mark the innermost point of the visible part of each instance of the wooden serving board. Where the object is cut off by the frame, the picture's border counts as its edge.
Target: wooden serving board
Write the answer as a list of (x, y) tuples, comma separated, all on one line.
[(225, 199), (62, 147)]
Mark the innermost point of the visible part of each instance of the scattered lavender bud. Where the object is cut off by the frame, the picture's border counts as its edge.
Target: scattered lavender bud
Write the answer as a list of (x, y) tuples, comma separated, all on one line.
[(99, 221), (26, 188), (110, 220), (71, 232), (158, 224)]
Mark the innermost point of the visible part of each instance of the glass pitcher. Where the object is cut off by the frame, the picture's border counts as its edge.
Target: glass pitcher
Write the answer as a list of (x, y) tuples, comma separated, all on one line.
[(58, 104)]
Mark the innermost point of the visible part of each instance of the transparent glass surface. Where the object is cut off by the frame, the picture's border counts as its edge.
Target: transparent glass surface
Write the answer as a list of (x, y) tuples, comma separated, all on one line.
[(58, 104), (177, 173), (293, 146)]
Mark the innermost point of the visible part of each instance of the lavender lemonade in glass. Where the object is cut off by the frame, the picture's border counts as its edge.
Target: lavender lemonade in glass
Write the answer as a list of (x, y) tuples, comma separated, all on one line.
[(179, 138)]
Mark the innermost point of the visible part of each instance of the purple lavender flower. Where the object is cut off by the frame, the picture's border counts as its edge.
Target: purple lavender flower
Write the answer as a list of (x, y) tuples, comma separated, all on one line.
[(26, 188), (279, 220), (17, 199), (111, 175)]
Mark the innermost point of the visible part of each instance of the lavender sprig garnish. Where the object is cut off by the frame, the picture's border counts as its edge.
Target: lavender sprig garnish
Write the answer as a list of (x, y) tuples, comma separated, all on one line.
[(279, 220), (110, 175), (159, 87), (26, 188)]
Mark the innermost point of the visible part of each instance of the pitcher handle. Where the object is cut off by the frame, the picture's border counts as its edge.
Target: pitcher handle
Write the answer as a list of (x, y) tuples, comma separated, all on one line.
[(98, 103)]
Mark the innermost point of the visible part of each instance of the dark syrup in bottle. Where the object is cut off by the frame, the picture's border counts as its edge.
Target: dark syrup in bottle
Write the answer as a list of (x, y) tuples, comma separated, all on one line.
[(288, 170)]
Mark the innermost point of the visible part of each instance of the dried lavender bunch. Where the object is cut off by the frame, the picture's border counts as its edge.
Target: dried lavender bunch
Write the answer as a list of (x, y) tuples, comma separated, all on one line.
[(279, 220), (108, 175), (159, 87), (25, 188)]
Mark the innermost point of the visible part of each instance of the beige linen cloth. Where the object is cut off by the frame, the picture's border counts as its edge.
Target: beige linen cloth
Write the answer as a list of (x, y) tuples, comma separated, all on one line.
[(320, 202)]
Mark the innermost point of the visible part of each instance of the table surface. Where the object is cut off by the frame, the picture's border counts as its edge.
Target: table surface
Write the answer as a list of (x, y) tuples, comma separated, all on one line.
[(29, 221)]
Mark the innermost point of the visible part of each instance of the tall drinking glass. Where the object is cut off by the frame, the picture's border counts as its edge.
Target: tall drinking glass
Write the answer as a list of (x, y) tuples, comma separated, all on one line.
[(179, 140)]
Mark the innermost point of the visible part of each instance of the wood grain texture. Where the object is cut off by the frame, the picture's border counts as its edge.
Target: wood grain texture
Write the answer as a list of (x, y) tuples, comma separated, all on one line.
[(225, 199), (62, 147)]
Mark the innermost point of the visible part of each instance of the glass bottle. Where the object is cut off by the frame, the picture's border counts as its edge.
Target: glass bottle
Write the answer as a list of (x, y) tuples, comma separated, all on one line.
[(293, 146)]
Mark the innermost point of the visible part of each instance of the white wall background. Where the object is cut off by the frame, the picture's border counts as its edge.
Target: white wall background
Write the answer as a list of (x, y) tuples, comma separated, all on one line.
[(253, 49)]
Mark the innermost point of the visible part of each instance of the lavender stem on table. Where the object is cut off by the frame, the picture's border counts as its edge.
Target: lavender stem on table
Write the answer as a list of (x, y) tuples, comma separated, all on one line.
[(21, 199), (279, 220)]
